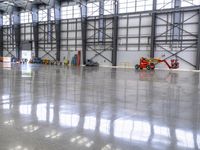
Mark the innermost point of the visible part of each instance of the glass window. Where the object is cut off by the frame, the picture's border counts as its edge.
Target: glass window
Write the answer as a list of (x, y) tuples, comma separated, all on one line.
[(42, 15), (26, 17), (143, 5), (6, 20), (77, 13), (68, 12), (186, 3), (122, 6), (52, 14), (63, 12), (149, 5), (164, 4), (93, 9), (131, 5), (108, 7), (127, 6)]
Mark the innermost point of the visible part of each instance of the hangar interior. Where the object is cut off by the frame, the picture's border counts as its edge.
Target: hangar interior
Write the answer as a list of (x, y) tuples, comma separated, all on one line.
[(111, 34), (110, 106)]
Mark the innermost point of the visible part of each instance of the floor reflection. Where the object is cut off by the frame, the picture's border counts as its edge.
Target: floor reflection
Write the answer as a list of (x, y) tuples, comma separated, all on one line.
[(109, 147), (132, 130), (19, 147), (185, 138), (161, 135), (9, 123), (90, 123), (25, 109), (53, 135), (122, 110), (68, 120), (198, 140), (30, 128), (6, 96), (6, 104), (42, 112), (105, 126), (126, 129), (82, 141)]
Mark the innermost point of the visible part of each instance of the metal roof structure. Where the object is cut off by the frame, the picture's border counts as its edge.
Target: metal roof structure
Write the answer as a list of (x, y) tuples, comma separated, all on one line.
[(6, 6)]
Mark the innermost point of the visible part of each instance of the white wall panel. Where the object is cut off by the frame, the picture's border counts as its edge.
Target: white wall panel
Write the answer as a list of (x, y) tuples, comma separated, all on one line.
[(130, 57), (127, 53), (133, 21), (102, 61), (146, 20)]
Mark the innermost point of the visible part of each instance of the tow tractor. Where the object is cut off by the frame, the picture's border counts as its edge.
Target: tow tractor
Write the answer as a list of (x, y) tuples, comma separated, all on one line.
[(150, 63)]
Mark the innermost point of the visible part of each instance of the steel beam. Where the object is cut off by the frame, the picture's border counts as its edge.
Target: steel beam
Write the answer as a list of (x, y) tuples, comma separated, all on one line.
[(83, 8), (198, 47), (1, 35), (57, 15), (181, 28), (153, 30), (172, 54), (35, 29), (115, 32), (16, 28)]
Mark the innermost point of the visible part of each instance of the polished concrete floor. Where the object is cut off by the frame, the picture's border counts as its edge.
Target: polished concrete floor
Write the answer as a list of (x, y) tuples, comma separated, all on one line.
[(60, 108)]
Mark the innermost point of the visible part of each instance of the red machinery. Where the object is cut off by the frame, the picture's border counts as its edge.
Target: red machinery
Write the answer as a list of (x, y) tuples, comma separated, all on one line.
[(149, 63)]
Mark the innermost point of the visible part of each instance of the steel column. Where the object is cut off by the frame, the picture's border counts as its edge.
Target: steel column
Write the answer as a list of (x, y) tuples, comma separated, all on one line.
[(17, 33), (176, 21), (153, 30), (1, 35), (57, 10), (198, 47), (115, 33), (49, 28), (83, 8), (101, 21), (35, 30)]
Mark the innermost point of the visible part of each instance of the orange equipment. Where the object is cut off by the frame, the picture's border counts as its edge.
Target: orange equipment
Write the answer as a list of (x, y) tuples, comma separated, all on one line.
[(149, 63)]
